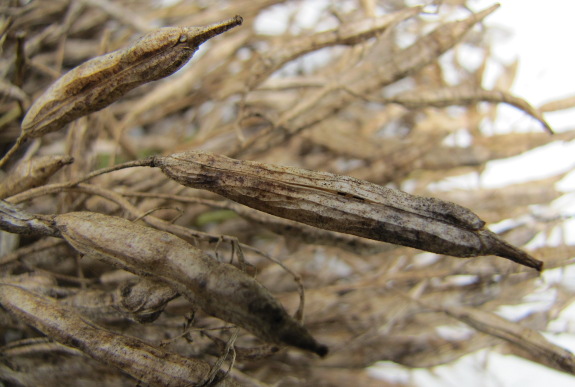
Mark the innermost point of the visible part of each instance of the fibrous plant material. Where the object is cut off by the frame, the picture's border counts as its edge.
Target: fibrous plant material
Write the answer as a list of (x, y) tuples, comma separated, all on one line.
[(389, 100)]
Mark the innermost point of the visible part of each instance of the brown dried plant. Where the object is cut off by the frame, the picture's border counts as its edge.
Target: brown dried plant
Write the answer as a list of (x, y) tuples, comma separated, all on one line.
[(245, 220)]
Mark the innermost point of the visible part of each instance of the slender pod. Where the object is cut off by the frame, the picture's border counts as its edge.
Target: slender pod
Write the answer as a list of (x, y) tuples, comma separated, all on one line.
[(147, 363), (465, 95), (219, 289), (32, 173), (347, 34), (372, 75), (343, 204), (99, 82), (17, 221)]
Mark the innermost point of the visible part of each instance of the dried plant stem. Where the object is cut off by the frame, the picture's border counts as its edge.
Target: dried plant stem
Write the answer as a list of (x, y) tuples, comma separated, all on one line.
[(51, 188), (19, 142)]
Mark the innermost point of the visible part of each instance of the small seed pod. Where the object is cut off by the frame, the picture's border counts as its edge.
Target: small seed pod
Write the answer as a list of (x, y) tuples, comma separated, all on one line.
[(32, 173), (17, 221), (101, 81), (143, 301)]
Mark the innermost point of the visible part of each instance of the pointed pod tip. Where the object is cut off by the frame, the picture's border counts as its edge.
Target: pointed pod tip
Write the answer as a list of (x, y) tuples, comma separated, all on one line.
[(322, 350), (294, 334), (482, 14), (501, 248), (521, 257), (238, 20), (227, 24), (198, 35)]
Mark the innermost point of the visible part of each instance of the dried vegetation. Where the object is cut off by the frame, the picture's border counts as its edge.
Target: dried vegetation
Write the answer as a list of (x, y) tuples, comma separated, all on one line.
[(184, 235)]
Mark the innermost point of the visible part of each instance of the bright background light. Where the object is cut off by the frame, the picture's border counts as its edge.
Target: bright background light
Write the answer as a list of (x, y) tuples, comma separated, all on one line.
[(540, 37)]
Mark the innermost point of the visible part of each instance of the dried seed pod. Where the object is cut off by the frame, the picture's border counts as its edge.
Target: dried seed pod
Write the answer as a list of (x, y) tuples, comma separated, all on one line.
[(144, 362), (17, 221), (308, 234), (534, 343), (374, 75), (346, 34), (343, 204), (464, 95), (101, 81), (144, 300), (221, 290), (141, 301), (32, 173)]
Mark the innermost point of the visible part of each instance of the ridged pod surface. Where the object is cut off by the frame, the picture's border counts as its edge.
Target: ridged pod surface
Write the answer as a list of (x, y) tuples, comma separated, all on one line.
[(343, 204), (219, 289), (97, 83)]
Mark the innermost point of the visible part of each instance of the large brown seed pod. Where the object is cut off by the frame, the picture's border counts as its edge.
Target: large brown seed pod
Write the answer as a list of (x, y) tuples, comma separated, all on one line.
[(101, 81), (219, 289), (343, 204)]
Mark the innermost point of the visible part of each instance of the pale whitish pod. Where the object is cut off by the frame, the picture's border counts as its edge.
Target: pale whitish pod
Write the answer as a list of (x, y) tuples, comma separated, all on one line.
[(144, 362), (220, 290), (101, 81), (343, 204)]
